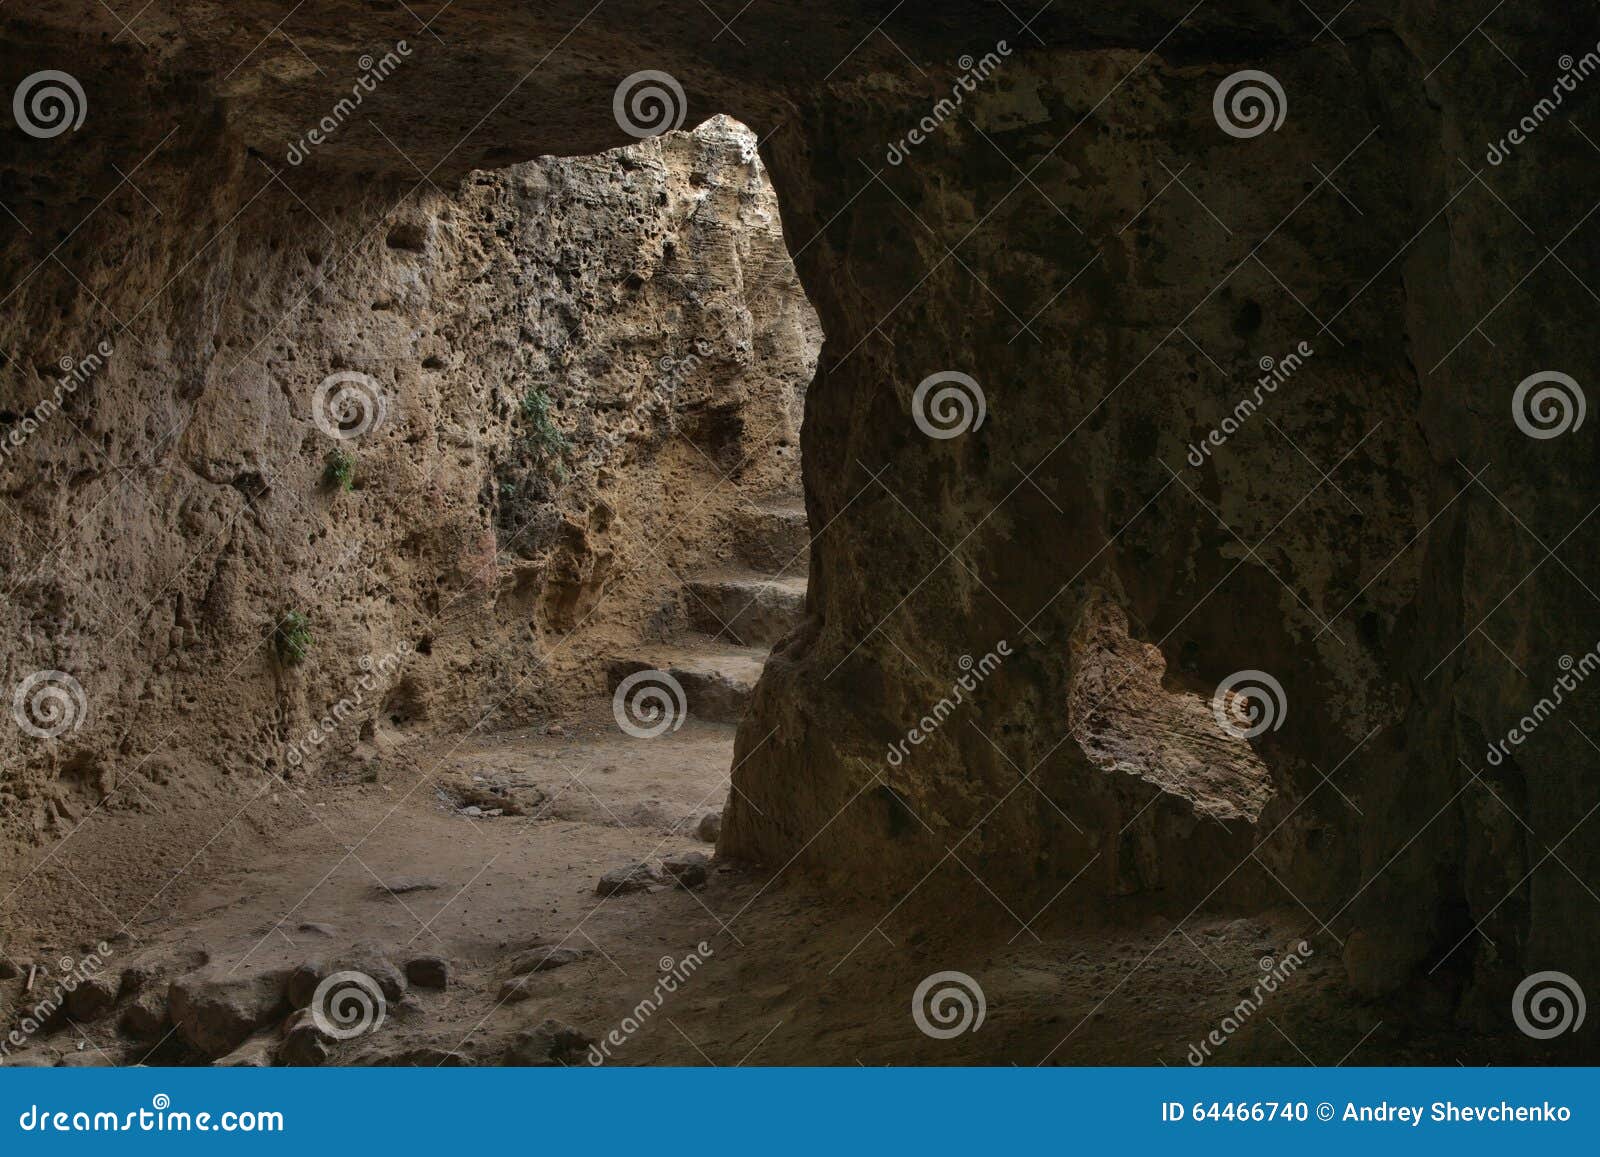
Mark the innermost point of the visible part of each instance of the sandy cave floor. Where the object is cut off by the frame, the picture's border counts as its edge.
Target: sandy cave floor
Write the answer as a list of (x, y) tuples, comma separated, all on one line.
[(794, 977)]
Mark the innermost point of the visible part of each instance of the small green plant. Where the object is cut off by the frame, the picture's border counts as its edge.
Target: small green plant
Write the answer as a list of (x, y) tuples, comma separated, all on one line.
[(339, 470), (292, 639), (540, 434)]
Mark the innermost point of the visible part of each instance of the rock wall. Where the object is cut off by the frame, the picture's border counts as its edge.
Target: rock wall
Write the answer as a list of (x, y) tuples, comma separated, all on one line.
[(1380, 536), (468, 449), (1081, 236)]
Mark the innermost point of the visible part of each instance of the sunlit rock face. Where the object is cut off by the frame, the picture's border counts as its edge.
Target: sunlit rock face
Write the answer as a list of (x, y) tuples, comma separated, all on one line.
[(350, 477), (1084, 237), (1193, 745)]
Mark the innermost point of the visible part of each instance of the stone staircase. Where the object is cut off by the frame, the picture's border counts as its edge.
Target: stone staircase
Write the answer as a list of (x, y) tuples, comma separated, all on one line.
[(735, 615)]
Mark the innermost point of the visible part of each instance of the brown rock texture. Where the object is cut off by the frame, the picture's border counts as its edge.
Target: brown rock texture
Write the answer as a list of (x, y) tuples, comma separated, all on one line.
[(547, 358), (1083, 240), (214, 1013), (1127, 721)]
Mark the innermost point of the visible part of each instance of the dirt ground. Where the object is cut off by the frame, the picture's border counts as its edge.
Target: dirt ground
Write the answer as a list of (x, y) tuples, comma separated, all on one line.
[(786, 976)]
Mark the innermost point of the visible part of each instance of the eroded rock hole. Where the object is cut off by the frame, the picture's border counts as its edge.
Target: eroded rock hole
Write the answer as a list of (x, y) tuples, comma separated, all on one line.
[(1133, 717)]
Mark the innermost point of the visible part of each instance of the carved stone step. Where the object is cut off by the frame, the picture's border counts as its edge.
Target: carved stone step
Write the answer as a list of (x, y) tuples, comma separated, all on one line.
[(773, 537), (717, 678), (749, 609)]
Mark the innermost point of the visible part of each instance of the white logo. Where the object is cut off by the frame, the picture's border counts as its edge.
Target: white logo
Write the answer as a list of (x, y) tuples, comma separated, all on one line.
[(1249, 703), (48, 703), (657, 706), (948, 1004), (49, 103), (348, 1004), (648, 104), (1249, 103), (1548, 1004), (349, 404), (953, 410), (1551, 411)]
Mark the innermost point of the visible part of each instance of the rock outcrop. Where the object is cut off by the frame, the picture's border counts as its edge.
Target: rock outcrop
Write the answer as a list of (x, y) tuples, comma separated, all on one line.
[(347, 482), (1075, 230)]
